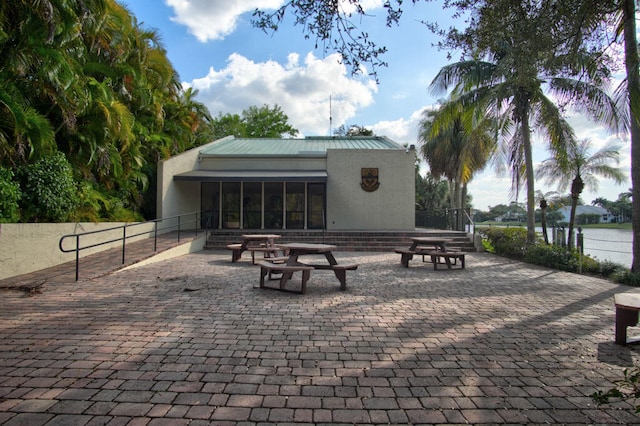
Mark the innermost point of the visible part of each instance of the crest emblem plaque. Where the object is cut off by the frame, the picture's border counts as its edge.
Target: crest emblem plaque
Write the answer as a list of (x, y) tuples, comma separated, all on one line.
[(369, 178)]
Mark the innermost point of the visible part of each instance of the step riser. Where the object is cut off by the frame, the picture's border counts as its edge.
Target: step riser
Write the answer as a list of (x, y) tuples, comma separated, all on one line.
[(348, 241)]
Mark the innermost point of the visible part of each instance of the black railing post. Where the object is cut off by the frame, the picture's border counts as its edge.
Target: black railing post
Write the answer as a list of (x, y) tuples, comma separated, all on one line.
[(77, 256), (124, 241), (155, 236), (580, 241), (178, 228)]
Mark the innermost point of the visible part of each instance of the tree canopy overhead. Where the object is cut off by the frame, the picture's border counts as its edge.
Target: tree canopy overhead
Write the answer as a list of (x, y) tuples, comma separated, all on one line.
[(254, 122)]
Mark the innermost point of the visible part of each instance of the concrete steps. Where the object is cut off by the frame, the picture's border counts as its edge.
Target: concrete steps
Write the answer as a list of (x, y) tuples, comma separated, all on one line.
[(374, 241)]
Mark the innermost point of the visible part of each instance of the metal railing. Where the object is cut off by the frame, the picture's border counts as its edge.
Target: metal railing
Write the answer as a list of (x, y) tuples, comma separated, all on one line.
[(451, 219), (152, 228)]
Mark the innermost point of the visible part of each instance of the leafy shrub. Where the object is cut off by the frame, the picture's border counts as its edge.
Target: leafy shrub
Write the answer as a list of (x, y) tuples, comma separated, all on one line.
[(511, 242), (561, 258), (10, 195), (626, 277), (608, 268), (49, 191), (507, 242)]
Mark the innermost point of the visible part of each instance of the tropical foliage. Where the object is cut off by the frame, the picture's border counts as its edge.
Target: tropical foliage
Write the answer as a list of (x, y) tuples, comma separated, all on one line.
[(455, 147), (83, 82), (10, 195), (511, 70)]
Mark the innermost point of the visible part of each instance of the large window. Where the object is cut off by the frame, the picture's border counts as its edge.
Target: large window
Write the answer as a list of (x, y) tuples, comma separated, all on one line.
[(273, 205), (315, 205), (210, 199), (252, 205), (295, 205), (231, 205), (263, 205)]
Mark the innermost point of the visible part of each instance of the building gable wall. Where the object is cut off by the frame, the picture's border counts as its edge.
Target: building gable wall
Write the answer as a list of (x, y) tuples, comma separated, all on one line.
[(391, 206)]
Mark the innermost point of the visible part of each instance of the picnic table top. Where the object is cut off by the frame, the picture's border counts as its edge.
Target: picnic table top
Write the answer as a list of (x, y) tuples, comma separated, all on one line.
[(308, 247), (258, 237), (627, 300), (431, 240)]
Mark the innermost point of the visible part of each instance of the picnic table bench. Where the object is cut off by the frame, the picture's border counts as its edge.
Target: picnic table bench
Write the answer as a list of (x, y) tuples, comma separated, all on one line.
[(445, 258), (268, 268)]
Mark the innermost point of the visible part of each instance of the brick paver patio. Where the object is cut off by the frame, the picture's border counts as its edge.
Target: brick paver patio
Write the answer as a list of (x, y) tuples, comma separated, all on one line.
[(191, 341)]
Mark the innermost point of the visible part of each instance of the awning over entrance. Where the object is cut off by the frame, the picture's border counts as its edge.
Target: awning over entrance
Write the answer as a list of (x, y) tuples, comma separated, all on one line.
[(253, 176)]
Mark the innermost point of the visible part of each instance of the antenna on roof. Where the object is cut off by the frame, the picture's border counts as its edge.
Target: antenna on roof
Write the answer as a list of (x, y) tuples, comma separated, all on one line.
[(330, 117)]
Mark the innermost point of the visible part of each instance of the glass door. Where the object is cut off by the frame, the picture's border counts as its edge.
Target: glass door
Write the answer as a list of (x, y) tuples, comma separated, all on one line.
[(252, 205), (295, 205), (210, 200), (231, 205), (315, 205), (273, 205)]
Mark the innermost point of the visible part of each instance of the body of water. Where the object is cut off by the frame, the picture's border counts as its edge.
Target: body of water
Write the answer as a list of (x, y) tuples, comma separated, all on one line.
[(609, 244)]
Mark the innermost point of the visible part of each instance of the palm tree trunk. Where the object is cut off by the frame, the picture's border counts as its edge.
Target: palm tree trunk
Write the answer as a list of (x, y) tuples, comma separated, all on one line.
[(572, 218), (577, 186), (458, 204), (528, 158), (452, 203), (633, 87), (463, 207), (543, 220)]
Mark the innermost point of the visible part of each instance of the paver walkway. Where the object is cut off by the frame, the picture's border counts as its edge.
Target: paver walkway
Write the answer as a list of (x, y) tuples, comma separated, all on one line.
[(191, 341)]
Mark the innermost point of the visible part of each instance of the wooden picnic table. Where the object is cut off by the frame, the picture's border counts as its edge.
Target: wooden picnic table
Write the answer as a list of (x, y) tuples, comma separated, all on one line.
[(253, 242), (292, 264), (424, 246)]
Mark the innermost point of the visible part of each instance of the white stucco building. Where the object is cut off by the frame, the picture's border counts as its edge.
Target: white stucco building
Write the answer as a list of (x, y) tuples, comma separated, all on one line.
[(332, 183)]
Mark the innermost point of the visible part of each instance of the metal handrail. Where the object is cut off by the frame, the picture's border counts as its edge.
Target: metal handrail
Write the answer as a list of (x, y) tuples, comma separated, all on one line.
[(472, 225), (125, 236)]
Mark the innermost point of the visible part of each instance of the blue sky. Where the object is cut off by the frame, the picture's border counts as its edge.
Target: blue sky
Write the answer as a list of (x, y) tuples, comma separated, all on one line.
[(214, 48)]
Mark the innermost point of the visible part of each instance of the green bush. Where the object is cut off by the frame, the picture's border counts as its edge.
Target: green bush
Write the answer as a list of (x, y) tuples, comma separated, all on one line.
[(561, 258), (507, 242), (10, 196), (49, 190), (511, 242), (609, 269), (626, 277)]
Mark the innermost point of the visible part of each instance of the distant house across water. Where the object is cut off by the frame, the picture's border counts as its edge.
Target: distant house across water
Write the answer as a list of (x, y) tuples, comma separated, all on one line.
[(598, 214)]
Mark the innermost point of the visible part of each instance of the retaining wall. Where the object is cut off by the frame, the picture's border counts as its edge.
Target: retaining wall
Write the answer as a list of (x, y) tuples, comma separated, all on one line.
[(28, 247)]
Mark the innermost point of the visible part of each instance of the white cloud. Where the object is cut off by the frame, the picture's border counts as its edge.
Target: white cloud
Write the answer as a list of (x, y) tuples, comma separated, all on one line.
[(214, 19), (366, 5), (301, 90), (403, 130)]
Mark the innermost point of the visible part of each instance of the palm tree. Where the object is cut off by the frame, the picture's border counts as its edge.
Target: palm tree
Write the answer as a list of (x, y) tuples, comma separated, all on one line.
[(455, 148), (580, 170), (509, 86)]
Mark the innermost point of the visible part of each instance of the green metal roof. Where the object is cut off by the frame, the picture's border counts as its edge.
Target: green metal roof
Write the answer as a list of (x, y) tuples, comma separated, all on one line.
[(310, 146)]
